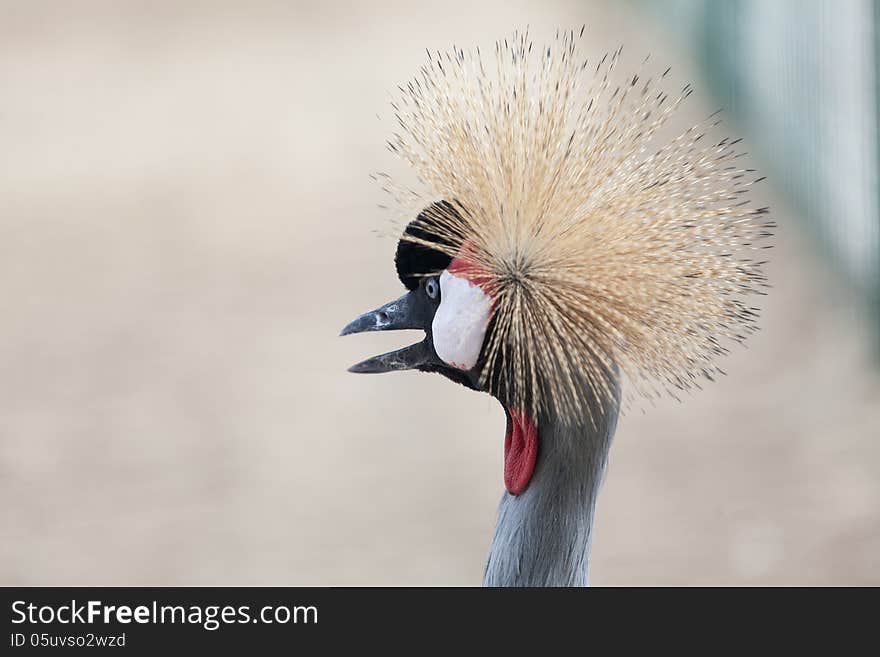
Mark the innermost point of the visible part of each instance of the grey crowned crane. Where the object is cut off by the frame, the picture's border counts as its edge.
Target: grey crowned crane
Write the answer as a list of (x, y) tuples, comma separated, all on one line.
[(561, 254)]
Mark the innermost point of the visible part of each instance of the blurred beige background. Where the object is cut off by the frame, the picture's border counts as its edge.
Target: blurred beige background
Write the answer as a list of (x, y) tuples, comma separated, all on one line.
[(186, 222)]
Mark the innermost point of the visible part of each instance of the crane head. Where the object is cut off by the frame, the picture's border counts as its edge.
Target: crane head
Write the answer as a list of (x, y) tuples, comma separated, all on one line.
[(577, 245)]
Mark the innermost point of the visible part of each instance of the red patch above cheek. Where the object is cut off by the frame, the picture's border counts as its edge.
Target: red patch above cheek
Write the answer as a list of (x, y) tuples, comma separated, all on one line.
[(520, 451), (464, 266)]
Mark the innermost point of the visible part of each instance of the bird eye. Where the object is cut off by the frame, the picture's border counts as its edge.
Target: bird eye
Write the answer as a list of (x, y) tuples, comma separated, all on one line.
[(432, 288)]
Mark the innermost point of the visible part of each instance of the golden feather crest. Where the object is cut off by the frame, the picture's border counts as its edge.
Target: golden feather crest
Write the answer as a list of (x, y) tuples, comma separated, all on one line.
[(609, 250)]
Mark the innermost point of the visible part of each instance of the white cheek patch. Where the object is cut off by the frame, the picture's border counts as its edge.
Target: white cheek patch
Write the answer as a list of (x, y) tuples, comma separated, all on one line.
[(460, 321)]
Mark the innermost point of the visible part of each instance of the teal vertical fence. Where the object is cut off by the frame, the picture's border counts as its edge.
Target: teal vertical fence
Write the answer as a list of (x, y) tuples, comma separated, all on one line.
[(801, 79)]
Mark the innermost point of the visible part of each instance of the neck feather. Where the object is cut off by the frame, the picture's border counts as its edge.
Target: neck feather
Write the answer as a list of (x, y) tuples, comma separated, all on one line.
[(542, 536)]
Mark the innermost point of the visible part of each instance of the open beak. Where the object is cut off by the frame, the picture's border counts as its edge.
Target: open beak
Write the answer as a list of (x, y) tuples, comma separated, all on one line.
[(407, 312)]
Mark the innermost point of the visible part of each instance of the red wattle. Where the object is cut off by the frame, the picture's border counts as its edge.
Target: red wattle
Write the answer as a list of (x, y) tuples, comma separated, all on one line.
[(520, 451)]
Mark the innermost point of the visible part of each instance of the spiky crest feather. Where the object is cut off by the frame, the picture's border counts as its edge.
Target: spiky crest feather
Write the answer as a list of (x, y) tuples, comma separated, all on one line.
[(605, 250)]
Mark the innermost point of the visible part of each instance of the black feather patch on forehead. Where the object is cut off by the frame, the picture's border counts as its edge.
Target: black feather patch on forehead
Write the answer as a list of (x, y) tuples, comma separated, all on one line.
[(412, 260)]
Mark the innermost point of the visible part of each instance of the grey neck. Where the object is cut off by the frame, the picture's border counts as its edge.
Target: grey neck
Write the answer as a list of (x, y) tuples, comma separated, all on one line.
[(542, 537)]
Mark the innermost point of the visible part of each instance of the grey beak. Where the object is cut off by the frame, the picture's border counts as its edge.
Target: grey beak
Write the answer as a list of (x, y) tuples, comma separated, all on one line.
[(407, 312), (408, 358), (393, 315)]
